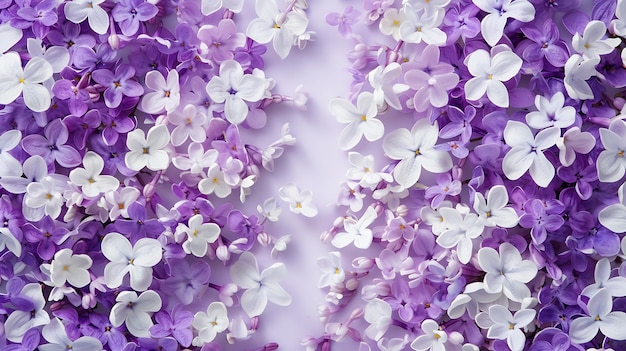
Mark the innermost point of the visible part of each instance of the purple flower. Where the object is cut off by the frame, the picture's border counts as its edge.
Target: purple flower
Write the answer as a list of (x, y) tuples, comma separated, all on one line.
[(40, 17), (246, 227), (139, 225), (85, 58), (187, 281), (129, 13), (70, 36), (51, 146), (544, 42), (219, 42), (612, 69), (402, 300), (540, 220), (460, 123), (114, 127), (177, 324), (78, 98), (581, 173), (461, 22), (344, 21), (102, 329), (445, 186), (30, 341), (46, 235), (118, 84)]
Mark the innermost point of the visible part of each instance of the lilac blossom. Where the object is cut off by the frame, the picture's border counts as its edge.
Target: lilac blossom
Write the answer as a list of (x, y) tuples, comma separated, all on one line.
[(52, 145), (117, 84), (129, 14), (344, 21)]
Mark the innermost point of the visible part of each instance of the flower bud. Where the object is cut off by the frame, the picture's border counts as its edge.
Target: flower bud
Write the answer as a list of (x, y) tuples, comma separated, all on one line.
[(222, 253), (357, 313), (363, 263), (352, 284)]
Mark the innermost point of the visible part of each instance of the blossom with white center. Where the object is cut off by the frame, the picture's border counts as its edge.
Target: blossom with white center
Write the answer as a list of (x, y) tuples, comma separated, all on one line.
[(611, 162), (214, 183), (382, 79), (577, 71), (415, 149), (613, 217), (422, 26), (136, 260), (211, 6), (57, 56), (260, 287), (460, 231), (611, 324), (120, 200), (147, 150), (57, 338), (332, 270), (506, 272), (378, 313), (619, 24), (89, 178), (509, 327), (362, 171), (499, 11), (551, 113), (590, 44), (233, 88), (165, 96), (299, 202), (43, 198), (190, 123), (135, 311), (616, 286), (361, 120), (208, 324), (526, 152), (390, 23), (20, 321), (490, 71), (15, 81), (71, 268), (356, 231), (433, 339), (79, 10), (9, 165), (199, 235), (574, 141), (270, 209), (273, 25)]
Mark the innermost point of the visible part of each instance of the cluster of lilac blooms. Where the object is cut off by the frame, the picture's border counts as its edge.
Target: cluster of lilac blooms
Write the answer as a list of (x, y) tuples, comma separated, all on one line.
[(122, 169), (492, 216)]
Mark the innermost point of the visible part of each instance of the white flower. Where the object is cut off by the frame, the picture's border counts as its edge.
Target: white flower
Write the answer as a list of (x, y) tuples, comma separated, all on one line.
[(611, 324), (616, 286), (135, 311), (270, 209), (415, 149), (506, 272), (147, 151), (10, 36), (277, 26), (58, 340), (299, 202), (260, 287), (390, 23), (551, 113), (489, 71), (233, 88), (433, 339), (34, 167), (190, 123), (526, 152), (214, 183), (422, 26), (18, 322), (211, 6), (44, 197), (9, 165), (89, 178), (382, 79), (199, 235), (120, 201), (577, 72), (611, 162), (332, 270), (378, 313), (362, 171), (165, 96), (208, 324), (71, 268), (196, 160), (499, 11), (57, 56), (591, 45), (574, 141), (15, 81), (613, 217), (79, 10), (361, 120), (507, 326), (459, 233), (356, 231), (136, 260)]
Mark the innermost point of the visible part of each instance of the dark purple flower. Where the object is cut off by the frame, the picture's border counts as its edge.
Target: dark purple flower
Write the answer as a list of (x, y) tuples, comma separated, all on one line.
[(461, 22), (40, 17), (185, 43), (581, 173), (231, 145), (47, 235), (402, 300), (139, 225), (251, 55), (544, 42), (163, 344), (129, 13), (557, 315), (246, 227), (51, 146), (176, 324), (445, 187), (540, 220), (113, 155), (148, 58), (85, 58), (77, 98), (69, 35), (612, 69), (112, 128), (102, 329), (460, 123), (118, 84)]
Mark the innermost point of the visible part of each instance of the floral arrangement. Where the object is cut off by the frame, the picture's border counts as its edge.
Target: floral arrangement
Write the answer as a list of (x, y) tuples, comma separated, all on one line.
[(489, 209), (123, 160)]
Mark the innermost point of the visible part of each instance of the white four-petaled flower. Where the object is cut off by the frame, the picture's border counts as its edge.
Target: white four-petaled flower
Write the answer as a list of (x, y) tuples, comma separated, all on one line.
[(89, 178), (361, 120), (136, 260), (332, 270), (499, 11), (356, 231), (590, 44), (15, 81), (199, 235), (551, 112), (79, 10), (165, 95), (67, 267), (577, 71), (57, 338), (208, 324), (509, 327), (490, 71), (493, 211), (135, 311), (422, 26), (300, 202), (461, 229), (147, 150), (378, 313), (599, 307), (611, 163)]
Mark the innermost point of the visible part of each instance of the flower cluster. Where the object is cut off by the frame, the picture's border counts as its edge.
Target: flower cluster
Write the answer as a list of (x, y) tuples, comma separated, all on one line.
[(122, 163), (495, 219)]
